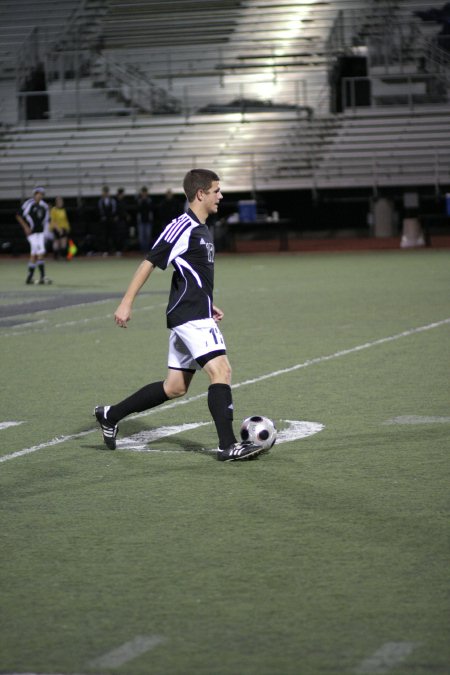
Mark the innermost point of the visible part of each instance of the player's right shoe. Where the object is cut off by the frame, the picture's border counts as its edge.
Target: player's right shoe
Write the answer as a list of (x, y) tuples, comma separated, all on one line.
[(239, 451), (109, 430)]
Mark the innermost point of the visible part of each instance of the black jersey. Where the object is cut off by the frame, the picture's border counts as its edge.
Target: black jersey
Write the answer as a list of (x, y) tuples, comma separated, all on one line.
[(145, 210), (36, 215), (188, 246)]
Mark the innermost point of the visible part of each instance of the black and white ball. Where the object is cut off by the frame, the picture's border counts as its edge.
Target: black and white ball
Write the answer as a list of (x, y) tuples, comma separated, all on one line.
[(259, 430)]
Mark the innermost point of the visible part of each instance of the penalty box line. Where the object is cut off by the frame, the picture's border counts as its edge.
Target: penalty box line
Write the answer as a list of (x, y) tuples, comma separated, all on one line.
[(276, 373)]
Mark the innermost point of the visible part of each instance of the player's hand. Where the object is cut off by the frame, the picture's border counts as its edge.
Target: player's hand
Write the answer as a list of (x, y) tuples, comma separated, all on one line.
[(217, 313), (122, 315)]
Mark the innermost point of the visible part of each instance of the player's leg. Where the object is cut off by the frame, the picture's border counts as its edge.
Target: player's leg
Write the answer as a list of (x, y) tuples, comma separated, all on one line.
[(40, 254), (205, 342), (56, 244), (220, 403), (176, 384), (63, 246), (220, 400), (30, 269), (32, 260), (179, 375)]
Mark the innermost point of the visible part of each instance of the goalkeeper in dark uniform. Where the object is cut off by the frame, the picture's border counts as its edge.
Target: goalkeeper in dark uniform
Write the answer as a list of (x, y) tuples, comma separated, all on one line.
[(34, 219), (195, 341)]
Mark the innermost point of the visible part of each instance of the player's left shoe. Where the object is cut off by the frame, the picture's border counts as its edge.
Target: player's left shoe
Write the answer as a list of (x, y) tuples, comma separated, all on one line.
[(109, 430)]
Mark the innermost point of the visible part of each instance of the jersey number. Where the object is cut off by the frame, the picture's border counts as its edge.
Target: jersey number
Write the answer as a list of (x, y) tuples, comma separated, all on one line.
[(217, 336)]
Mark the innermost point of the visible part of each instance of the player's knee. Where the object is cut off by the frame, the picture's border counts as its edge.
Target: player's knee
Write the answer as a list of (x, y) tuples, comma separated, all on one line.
[(220, 372), (175, 390), (226, 372)]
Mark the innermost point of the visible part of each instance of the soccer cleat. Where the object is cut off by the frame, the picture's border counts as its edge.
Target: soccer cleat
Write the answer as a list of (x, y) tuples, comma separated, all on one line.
[(44, 280), (109, 430), (239, 451)]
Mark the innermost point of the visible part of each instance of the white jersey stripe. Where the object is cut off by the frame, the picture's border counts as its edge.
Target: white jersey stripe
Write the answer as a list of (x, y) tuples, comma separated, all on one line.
[(183, 263), (175, 228)]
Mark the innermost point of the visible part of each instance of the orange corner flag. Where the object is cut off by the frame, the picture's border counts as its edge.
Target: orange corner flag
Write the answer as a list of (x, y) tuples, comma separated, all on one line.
[(72, 250)]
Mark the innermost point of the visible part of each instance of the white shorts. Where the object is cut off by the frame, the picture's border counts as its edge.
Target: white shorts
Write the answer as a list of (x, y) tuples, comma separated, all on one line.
[(37, 243), (194, 340)]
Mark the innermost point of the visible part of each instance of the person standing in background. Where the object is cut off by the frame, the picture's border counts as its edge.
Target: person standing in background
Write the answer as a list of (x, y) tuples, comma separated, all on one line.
[(60, 228), (144, 219), (121, 222), (34, 220), (107, 209), (169, 208)]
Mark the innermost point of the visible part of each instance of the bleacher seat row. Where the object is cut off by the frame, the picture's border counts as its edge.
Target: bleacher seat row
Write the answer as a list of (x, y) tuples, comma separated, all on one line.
[(258, 150)]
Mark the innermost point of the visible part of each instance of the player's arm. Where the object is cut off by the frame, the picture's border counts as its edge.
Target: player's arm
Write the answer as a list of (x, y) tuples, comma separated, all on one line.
[(123, 313), (25, 227), (217, 313)]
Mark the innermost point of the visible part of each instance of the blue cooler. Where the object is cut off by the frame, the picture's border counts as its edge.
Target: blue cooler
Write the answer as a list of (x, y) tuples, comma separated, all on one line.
[(247, 210)]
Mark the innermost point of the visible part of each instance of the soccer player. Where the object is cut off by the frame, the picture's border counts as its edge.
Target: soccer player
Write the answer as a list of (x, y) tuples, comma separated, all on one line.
[(60, 228), (195, 341), (34, 219)]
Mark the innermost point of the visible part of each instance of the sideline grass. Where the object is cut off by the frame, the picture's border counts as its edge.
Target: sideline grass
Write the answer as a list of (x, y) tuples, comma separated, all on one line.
[(305, 562)]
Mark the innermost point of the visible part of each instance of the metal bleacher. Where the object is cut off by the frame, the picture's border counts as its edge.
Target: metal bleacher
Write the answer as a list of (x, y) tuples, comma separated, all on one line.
[(245, 150), (394, 146), (240, 87)]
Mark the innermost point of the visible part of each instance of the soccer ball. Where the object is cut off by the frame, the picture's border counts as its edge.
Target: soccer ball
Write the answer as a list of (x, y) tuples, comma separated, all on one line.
[(259, 430)]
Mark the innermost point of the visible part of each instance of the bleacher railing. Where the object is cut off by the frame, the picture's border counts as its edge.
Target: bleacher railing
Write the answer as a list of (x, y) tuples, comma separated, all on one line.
[(131, 99), (241, 173), (408, 90)]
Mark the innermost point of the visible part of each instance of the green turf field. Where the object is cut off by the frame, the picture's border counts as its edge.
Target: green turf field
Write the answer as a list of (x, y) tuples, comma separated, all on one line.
[(327, 556)]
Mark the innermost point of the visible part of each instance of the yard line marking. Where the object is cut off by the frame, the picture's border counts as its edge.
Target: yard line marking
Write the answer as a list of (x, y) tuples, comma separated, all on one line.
[(418, 419), (284, 371), (47, 444), (6, 425), (127, 652), (139, 442), (65, 324), (346, 352), (386, 658)]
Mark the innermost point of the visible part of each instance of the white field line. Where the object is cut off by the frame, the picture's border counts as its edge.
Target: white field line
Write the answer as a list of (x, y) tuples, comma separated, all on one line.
[(391, 654), (47, 444), (139, 442), (346, 352), (276, 373), (418, 419), (45, 325), (6, 425), (127, 652)]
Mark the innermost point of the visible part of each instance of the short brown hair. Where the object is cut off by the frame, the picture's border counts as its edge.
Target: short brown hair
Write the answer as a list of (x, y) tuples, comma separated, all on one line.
[(198, 179)]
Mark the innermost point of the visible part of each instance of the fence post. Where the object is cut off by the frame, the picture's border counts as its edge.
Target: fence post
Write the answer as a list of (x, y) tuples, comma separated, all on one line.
[(79, 189), (22, 181), (436, 172), (253, 169)]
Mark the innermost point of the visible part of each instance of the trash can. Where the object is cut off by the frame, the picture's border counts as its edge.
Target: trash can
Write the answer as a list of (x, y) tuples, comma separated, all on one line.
[(384, 218), (412, 235), (247, 210)]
